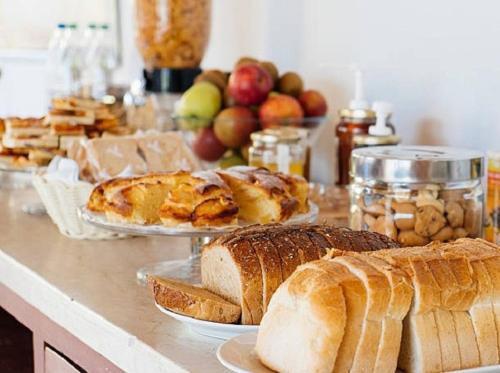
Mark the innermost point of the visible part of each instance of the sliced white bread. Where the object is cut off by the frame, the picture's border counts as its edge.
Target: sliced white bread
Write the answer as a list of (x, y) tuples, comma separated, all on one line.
[(304, 326), (420, 347), (398, 307), (482, 311), (356, 302), (378, 295), (193, 301)]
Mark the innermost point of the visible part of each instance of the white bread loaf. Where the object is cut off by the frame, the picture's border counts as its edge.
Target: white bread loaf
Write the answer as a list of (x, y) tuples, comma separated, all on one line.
[(452, 322)]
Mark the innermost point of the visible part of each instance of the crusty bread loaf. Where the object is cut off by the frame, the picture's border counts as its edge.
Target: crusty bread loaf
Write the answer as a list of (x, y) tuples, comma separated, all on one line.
[(193, 301), (247, 265)]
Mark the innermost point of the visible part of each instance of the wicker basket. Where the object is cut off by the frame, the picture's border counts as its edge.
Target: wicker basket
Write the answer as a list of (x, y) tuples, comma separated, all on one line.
[(62, 200)]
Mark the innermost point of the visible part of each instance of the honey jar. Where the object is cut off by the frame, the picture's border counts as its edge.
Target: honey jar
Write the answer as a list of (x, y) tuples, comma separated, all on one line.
[(281, 149)]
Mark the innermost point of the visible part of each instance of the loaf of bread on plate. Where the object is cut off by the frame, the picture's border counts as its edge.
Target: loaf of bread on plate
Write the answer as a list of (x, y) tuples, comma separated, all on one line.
[(424, 309), (248, 265), (193, 301)]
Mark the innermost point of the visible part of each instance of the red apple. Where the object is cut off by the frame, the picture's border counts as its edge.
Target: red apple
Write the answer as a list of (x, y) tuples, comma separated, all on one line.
[(280, 109), (207, 146), (313, 103), (250, 84), (234, 125)]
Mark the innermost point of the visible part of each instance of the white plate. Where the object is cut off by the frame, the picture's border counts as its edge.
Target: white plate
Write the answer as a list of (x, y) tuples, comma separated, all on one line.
[(238, 354), (210, 329), (184, 230)]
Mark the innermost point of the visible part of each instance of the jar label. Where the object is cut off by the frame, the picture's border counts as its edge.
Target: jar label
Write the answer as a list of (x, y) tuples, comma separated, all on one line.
[(283, 158)]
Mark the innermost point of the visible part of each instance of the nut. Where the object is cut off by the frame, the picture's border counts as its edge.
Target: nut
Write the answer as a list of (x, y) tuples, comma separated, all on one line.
[(369, 220), (445, 234), (428, 221), (429, 198), (385, 225), (473, 218), (410, 238), (404, 216), (375, 209), (356, 220), (453, 194), (459, 233), (454, 214)]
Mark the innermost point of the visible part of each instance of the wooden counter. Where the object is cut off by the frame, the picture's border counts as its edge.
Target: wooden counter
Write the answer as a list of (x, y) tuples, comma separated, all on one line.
[(88, 289)]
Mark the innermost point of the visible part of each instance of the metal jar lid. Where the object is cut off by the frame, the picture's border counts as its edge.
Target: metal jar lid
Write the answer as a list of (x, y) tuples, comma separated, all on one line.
[(371, 140), (363, 115), (416, 164), (279, 135)]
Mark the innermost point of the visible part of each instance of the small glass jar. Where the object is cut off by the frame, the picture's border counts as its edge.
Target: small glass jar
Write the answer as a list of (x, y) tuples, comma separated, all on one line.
[(417, 194), (280, 150)]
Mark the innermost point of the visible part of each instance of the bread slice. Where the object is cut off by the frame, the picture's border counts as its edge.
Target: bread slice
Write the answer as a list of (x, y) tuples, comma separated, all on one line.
[(270, 265), (482, 311), (231, 268), (421, 347), (398, 307), (356, 304), (303, 329), (193, 301), (378, 295)]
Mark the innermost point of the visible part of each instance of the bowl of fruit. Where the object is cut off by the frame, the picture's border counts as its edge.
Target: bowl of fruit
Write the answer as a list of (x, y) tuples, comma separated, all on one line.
[(221, 110)]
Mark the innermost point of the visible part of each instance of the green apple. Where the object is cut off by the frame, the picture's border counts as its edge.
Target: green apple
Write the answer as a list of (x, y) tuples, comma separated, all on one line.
[(201, 102)]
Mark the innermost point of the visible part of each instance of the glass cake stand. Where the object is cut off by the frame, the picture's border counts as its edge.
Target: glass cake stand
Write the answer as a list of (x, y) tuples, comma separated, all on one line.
[(185, 269)]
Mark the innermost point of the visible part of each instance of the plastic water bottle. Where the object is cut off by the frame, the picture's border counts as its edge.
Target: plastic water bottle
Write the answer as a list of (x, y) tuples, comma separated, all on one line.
[(88, 47), (55, 79), (71, 60)]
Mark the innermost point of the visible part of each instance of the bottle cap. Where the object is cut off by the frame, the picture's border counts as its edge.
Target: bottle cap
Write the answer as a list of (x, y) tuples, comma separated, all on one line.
[(382, 111), (358, 102)]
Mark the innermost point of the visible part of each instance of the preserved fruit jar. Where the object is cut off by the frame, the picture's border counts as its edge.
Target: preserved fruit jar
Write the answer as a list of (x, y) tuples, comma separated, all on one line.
[(416, 195), (172, 33)]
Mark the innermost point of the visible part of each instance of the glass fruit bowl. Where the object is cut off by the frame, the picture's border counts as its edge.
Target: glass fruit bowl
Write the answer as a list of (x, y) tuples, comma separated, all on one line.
[(224, 142)]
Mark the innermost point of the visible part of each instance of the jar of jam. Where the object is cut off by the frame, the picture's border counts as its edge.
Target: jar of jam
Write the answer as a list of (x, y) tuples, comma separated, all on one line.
[(280, 150), (493, 202)]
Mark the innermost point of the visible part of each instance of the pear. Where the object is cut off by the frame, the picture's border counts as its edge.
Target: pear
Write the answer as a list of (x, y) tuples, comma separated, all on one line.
[(201, 102)]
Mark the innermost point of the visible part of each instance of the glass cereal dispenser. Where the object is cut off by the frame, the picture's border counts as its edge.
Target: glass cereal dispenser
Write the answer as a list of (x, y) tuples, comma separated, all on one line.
[(418, 194)]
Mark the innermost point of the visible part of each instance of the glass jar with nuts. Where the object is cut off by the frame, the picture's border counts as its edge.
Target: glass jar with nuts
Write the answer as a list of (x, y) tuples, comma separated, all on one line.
[(416, 195)]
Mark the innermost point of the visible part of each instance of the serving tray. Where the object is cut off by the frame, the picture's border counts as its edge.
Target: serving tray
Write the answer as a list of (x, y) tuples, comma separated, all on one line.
[(208, 328)]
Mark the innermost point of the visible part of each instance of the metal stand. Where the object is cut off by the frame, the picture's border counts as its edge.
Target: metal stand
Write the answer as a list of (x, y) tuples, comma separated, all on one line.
[(188, 270)]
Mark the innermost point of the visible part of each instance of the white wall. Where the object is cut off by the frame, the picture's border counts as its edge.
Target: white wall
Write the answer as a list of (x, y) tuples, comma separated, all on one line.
[(437, 61)]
